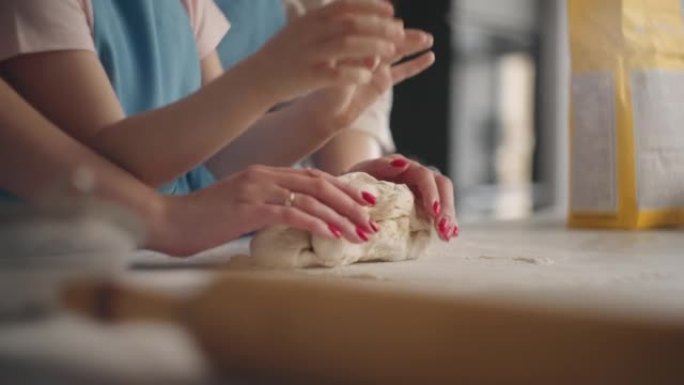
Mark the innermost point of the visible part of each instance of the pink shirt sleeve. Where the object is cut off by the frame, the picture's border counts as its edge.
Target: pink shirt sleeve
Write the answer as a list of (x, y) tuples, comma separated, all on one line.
[(208, 24), (30, 26)]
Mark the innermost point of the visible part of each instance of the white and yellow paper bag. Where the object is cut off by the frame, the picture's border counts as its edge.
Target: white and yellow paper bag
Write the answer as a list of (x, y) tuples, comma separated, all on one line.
[(627, 113)]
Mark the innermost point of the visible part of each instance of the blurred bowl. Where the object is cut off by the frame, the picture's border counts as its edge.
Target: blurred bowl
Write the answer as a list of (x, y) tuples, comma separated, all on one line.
[(41, 247)]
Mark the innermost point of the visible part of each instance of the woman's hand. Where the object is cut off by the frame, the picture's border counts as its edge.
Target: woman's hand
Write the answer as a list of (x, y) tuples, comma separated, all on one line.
[(327, 46), (262, 196), (434, 191)]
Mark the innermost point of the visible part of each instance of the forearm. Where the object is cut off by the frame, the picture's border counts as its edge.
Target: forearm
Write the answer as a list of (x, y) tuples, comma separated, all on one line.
[(159, 145), (39, 162), (280, 138), (345, 150)]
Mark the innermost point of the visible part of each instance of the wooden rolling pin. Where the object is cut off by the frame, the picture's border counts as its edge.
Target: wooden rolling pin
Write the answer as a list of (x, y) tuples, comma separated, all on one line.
[(322, 331)]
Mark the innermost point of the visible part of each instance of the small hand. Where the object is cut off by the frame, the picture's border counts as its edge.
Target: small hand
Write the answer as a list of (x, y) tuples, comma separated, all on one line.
[(338, 107), (306, 54), (434, 191)]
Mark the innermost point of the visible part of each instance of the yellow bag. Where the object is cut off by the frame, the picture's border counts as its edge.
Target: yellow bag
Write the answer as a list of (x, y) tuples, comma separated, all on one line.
[(627, 114)]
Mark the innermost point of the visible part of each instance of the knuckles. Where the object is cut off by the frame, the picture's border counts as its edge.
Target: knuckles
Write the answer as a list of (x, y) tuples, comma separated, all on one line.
[(320, 185), (443, 180), (314, 173), (318, 180), (346, 42), (342, 6), (249, 183), (253, 174)]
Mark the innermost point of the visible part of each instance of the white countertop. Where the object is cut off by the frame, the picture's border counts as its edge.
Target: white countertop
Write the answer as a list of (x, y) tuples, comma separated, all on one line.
[(624, 274), (529, 260)]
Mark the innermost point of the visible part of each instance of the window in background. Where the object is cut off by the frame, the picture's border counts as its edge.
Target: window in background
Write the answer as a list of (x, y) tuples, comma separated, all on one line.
[(492, 112), (494, 102)]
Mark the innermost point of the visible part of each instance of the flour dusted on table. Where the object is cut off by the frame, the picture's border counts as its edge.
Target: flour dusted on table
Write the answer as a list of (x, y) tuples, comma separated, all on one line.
[(404, 234)]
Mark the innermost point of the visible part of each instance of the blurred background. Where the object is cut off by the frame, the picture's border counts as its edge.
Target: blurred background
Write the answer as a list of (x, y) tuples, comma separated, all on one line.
[(492, 112)]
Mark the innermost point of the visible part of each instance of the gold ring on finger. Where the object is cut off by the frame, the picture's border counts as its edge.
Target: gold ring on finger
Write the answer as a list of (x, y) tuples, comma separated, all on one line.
[(289, 201)]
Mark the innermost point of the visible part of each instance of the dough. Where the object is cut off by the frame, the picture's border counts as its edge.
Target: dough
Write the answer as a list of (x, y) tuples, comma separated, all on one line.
[(403, 234)]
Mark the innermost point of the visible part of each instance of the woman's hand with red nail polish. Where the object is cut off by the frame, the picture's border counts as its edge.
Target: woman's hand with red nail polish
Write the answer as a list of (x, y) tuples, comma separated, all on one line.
[(337, 233), (370, 198), (434, 192), (436, 208), (446, 235), (399, 163), (363, 234), (374, 226), (262, 196), (444, 228)]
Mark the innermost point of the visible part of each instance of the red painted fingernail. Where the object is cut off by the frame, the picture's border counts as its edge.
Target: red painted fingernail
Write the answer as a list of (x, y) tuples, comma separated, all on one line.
[(362, 234), (436, 208), (335, 231), (374, 226), (398, 163), (443, 224), (446, 233), (455, 232), (368, 197)]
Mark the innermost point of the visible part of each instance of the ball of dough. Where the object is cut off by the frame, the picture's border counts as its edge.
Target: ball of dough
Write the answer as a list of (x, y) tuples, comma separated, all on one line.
[(404, 233)]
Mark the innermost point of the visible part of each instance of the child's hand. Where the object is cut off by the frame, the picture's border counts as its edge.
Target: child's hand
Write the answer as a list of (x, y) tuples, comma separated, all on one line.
[(319, 49), (339, 107), (263, 196)]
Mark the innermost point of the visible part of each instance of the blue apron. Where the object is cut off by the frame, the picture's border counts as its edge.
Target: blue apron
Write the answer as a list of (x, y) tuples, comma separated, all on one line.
[(148, 49), (252, 23)]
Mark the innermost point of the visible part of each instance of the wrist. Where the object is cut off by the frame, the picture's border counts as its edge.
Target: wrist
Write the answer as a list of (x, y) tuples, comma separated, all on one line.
[(263, 81), (175, 230), (322, 123), (160, 224)]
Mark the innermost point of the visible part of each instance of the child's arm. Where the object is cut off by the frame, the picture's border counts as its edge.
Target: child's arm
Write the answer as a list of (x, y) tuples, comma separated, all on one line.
[(368, 136), (72, 90), (345, 150), (434, 192), (38, 160), (155, 146), (310, 122)]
